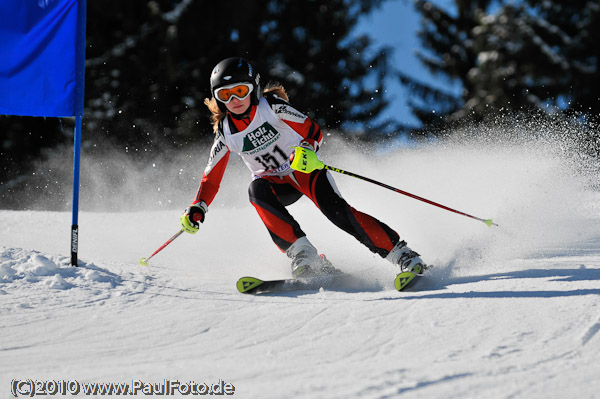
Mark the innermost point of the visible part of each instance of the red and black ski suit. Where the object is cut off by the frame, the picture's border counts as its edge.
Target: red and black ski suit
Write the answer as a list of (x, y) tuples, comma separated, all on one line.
[(263, 138)]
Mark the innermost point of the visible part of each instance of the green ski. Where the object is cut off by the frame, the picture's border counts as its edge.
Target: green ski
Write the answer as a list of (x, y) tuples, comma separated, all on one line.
[(253, 285), (405, 279)]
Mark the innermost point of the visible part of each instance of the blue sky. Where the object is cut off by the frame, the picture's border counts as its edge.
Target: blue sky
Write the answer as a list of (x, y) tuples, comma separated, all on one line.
[(395, 24)]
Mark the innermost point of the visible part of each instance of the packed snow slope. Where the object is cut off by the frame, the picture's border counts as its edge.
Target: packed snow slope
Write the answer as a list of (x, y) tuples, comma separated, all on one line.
[(508, 312)]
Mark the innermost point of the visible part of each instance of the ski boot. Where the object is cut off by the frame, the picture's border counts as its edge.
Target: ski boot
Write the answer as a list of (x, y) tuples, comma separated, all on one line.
[(406, 258), (306, 262), (327, 267)]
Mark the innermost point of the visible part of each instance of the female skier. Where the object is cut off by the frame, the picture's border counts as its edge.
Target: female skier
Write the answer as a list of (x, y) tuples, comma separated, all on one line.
[(263, 129)]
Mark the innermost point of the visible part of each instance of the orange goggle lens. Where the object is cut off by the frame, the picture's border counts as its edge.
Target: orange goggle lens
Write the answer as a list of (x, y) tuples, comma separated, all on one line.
[(239, 91)]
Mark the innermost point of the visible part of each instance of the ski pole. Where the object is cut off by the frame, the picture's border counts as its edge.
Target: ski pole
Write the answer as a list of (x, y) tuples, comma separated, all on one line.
[(307, 161), (144, 261), (488, 222)]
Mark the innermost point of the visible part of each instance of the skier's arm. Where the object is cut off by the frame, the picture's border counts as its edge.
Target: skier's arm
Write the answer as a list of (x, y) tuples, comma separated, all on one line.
[(209, 186), (213, 173), (302, 124)]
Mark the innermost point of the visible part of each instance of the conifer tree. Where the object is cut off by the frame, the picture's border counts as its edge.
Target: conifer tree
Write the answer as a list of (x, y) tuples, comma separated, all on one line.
[(151, 64), (533, 55)]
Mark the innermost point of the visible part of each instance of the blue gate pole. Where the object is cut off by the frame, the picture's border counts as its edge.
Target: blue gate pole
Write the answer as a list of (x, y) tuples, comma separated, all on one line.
[(79, 105)]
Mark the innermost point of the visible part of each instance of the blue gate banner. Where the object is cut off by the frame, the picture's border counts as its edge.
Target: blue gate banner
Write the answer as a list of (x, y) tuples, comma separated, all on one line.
[(38, 40)]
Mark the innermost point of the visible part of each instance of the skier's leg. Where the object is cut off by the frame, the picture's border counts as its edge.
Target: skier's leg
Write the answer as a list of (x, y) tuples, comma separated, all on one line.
[(269, 200), (374, 234)]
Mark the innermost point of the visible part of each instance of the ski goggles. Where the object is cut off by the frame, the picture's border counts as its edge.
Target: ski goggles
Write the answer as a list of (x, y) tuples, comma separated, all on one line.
[(238, 90)]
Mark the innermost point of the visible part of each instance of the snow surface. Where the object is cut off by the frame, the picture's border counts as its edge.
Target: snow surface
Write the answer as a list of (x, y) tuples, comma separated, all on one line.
[(507, 312)]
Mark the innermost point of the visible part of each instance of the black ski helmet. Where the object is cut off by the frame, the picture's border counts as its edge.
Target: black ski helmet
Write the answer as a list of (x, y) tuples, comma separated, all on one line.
[(235, 70)]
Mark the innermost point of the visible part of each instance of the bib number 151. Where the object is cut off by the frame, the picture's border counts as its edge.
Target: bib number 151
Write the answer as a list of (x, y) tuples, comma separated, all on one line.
[(269, 161)]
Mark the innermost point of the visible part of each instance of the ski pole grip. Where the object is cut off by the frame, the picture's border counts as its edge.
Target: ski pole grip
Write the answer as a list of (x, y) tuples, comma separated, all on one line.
[(305, 160)]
